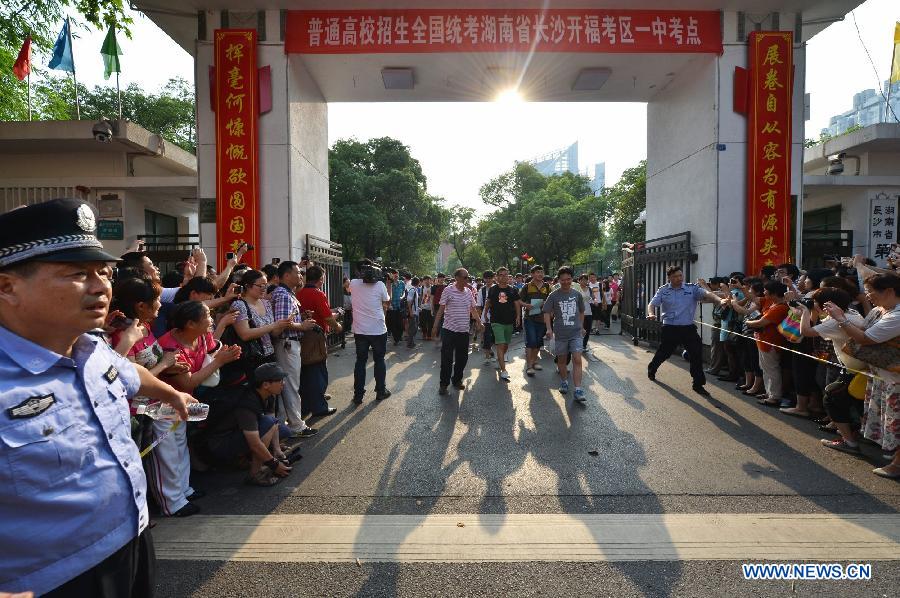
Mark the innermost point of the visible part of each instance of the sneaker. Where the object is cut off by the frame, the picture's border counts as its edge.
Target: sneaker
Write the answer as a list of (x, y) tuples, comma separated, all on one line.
[(304, 433), (842, 445), (530, 371), (564, 386), (187, 510), (538, 367), (443, 390), (459, 386), (504, 375), (358, 400), (380, 396), (579, 395)]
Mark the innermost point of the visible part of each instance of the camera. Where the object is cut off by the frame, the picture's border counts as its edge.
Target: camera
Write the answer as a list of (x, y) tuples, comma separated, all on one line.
[(371, 272), (103, 131), (806, 302)]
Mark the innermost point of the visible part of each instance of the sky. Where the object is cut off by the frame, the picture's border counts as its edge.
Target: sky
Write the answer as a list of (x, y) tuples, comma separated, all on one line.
[(455, 158)]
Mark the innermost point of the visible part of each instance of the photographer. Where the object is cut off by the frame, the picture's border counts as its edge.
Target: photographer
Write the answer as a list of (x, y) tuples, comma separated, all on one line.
[(370, 301)]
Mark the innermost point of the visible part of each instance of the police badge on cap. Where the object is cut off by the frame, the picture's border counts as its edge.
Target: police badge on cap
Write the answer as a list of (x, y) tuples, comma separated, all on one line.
[(59, 230)]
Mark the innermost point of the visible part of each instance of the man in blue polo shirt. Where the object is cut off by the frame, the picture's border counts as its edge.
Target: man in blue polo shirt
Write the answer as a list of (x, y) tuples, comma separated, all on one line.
[(73, 508), (678, 301)]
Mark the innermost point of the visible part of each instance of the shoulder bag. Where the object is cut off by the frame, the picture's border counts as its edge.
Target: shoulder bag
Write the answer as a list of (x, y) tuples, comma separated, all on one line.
[(881, 355), (313, 348), (790, 327)]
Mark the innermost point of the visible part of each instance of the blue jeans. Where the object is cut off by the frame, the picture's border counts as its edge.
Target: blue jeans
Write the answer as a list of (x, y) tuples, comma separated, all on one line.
[(534, 334), (313, 382), (379, 346)]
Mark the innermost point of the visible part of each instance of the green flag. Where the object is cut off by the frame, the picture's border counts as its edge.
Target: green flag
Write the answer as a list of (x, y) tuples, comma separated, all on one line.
[(111, 52)]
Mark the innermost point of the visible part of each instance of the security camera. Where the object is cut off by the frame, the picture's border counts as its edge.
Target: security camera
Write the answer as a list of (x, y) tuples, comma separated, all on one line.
[(103, 131), (836, 164)]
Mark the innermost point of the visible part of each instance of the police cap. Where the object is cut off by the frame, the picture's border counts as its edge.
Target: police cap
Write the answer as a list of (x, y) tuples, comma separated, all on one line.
[(59, 230)]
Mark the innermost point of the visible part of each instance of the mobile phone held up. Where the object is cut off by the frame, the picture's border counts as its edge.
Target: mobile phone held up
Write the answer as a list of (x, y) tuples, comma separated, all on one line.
[(229, 255), (276, 261), (120, 322)]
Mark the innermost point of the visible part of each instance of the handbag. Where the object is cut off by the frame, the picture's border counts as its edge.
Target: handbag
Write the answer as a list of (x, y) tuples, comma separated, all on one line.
[(881, 355), (313, 348), (214, 378), (252, 353), (790, 327)]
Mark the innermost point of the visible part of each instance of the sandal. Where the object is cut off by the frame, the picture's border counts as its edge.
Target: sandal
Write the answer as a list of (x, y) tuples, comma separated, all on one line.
[(262, 478), (768, 402), (795, 412)]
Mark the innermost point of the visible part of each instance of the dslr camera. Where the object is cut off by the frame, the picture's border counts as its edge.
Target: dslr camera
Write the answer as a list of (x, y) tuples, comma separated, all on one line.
[(806, 302), (371, 272)]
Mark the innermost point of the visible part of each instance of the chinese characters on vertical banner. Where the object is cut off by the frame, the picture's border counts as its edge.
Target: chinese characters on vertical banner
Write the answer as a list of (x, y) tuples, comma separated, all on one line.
[(769, 149), (376, 31), (883, 225), (237, 180)]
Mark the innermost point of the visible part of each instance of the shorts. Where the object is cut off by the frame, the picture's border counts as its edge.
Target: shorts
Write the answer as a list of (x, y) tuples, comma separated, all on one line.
[(534, 334), (572, 345), (229, 448), (502, 333)]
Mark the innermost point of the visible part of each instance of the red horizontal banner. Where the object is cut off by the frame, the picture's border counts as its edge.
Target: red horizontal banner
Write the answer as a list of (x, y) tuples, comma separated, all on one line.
[(237, 142), (769, 149), (496, 30)]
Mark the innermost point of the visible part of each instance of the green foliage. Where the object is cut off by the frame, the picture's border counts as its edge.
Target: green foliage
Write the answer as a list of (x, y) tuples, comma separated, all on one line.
[(43, 19), (623, 204), (380, 206), (13, 93), (551, 218)]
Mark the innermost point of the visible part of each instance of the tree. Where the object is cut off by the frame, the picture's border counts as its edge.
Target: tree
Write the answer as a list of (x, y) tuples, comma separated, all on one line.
[(622, 205), (380, 205), (42, 19), (552, 218)]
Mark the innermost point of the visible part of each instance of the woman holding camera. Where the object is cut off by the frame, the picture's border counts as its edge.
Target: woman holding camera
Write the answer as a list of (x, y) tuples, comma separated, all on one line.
[(255, 322), (881, 327)]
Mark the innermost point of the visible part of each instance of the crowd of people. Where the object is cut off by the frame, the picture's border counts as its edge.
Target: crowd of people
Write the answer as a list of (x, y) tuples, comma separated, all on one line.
[(823, 344), (102, 366)]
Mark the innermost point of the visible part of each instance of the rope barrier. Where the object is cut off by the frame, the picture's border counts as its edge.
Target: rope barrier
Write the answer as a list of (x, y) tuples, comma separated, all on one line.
[(783, 348), (156, 442)]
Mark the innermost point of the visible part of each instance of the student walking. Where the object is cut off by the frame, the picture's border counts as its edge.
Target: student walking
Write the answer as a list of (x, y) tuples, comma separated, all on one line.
[(457, 309), (505, 311), (564, 319)]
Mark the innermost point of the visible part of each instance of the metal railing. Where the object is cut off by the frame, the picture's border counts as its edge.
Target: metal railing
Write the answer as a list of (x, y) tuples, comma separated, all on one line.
[(644, 271), (168, 250), (329, 255), (821, 242)]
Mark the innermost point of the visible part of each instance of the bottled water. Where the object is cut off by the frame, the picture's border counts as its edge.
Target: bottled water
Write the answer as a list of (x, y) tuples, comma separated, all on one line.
[(163, 411)]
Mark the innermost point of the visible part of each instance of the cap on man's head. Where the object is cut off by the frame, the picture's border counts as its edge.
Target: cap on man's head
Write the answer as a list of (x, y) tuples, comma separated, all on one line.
[(59, 230), (268, 372)]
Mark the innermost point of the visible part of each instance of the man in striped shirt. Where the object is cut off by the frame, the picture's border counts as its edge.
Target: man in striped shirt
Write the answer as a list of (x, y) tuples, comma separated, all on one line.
[(457, 307)]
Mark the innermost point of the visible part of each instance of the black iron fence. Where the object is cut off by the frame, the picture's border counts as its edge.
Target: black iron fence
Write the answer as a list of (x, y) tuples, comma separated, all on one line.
[(168, 250), (329, 255), (643, 272), (818, 243)]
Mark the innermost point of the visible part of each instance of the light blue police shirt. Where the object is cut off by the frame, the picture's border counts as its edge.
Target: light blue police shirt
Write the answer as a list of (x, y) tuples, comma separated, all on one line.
[(72, 489), (678, 305)]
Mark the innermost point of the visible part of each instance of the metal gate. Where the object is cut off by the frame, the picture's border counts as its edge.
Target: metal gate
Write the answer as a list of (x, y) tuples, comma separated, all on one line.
[(644, 271), (329, 255)]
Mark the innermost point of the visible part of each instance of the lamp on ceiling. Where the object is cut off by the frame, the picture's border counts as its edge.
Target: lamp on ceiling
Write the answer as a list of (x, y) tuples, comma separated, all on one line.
[(397, 78), (591, 79)]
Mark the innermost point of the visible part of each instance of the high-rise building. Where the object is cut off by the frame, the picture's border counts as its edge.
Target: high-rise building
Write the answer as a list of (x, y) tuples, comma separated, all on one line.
[(566, 160), (869, 108), (599, 180), (557, 162)]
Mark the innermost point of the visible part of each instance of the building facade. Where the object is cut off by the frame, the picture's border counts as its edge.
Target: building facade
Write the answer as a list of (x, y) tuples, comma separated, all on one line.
[(869, 108)]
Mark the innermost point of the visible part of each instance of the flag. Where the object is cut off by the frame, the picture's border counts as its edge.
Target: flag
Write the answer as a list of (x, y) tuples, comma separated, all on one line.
[(111, 52), (62, 51), (23, 63), (895, 65)]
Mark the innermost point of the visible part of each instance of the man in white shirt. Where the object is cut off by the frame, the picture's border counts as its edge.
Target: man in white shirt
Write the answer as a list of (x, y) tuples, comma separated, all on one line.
[(370, 300)]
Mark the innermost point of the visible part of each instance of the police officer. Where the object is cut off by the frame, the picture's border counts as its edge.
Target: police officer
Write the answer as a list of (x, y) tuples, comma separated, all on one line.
[(678, 301), (73, 511)]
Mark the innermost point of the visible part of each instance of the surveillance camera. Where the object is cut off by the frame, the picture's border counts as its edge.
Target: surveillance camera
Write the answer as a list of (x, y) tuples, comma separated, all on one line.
[(103, 131), (836, 167), (836, 157)]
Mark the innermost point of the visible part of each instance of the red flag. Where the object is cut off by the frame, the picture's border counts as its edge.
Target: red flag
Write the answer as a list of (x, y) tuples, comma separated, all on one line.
[(23, 63)]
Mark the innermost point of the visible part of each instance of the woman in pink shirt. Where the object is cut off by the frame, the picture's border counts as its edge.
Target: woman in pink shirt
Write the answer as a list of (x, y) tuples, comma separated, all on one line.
[(191, 340)]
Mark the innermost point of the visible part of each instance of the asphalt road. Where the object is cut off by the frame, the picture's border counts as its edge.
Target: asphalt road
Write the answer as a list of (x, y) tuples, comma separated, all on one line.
[(521, 447)]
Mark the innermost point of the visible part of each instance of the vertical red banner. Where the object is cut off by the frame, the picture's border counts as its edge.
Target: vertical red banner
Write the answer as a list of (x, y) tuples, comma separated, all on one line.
[(237, 143), (769, 149)]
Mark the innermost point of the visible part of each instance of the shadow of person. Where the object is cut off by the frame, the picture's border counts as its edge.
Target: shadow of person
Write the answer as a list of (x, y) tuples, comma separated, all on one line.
[(414, 468), (489, 447), (594, 460)]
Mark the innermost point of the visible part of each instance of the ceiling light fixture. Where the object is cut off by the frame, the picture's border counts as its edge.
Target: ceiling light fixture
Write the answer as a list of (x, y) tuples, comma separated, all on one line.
[(397, 78), (591, 79)]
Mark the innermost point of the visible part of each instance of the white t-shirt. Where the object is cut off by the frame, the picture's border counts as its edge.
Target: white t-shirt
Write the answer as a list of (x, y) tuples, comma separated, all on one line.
[(368, 310), (829, 330)]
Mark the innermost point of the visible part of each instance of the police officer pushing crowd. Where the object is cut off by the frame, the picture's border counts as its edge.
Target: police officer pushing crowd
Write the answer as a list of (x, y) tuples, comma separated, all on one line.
[(678, 302), (73, 509)]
